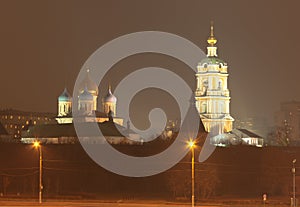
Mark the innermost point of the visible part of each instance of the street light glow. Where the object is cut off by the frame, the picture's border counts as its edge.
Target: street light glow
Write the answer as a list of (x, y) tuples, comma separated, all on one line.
[(191, 144), (36, 144)]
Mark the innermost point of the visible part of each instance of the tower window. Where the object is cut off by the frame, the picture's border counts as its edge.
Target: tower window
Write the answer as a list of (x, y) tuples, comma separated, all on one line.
[(203, 108)]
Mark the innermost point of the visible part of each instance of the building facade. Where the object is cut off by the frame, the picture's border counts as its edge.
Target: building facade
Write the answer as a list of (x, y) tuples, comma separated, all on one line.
[(212, 93), (63, 131), (87, 104), (14, 121)]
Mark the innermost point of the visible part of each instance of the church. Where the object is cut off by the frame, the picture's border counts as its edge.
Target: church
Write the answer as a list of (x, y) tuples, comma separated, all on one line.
[(87, 104), (212, 100), (212, 97), (63, 132), (212, 94)]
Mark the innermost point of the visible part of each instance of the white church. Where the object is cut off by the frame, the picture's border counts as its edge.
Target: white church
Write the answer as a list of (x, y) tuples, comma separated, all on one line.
[(63, 132), (213, 100), (87, 104)]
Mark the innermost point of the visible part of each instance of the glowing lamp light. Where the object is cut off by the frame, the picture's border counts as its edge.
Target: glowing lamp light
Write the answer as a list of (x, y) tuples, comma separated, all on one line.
[(191, 144), (36, 144)]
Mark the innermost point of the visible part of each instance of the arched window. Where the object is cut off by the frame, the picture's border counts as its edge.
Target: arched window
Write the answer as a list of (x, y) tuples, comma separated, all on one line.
[(203, 108), (220, 84)]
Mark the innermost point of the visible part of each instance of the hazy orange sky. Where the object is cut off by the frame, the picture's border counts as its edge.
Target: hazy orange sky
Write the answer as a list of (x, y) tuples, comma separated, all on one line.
[(43, 45)]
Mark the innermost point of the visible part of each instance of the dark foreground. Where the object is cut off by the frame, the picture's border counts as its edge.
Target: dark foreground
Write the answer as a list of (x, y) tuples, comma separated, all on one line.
[(238, 171)]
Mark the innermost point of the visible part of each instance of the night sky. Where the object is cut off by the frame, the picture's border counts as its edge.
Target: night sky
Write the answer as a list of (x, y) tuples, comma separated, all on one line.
[(43, 45)]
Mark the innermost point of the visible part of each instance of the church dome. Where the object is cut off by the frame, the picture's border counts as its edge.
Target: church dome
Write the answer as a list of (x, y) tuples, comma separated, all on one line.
[(65, 96), (88, 83), (212, 61), (86, 95), (110, 97)]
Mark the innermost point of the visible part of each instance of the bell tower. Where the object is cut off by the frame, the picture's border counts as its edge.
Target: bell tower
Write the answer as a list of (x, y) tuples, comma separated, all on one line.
[(212, 93)]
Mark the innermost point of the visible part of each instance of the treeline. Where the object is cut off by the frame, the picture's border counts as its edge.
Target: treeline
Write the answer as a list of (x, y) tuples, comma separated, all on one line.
[(69, 172)]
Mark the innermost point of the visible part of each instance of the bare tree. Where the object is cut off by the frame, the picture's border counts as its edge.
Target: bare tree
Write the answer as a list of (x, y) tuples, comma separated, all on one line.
[(5, 183), (279, 136)]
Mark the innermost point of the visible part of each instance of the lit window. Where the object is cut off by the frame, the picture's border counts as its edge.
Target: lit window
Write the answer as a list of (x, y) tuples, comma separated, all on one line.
[(34, 122), (16, 126), (19, 117), (27, 122), (5, 117), (11, 117), (11, 126)]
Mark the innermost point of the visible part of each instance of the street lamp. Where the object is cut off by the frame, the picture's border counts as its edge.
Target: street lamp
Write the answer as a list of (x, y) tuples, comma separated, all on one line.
[(38, 146), (192, 146), (294, 183)]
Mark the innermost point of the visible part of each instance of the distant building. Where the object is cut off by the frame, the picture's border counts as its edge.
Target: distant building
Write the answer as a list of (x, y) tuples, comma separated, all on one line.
[(4, 136), (14, 121), (255, 124), (287, 119), (66, 134), (87, 104), (248, 138), (212, 93), (238, 137), (63, 131)]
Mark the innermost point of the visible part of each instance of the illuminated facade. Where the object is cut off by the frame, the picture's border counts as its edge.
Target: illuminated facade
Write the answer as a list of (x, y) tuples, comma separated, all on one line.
[(14, 121), (64, 103), (87, 104), (109, 103), (212, 93)]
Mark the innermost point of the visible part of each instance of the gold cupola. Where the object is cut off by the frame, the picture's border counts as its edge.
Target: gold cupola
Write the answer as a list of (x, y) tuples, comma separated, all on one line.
[(212, 48)]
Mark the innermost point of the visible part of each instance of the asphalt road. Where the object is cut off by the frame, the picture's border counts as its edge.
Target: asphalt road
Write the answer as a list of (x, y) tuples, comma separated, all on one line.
[(18, 203)]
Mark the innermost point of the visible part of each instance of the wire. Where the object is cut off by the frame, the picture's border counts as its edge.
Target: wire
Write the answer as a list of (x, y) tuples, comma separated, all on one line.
[(24, 175)]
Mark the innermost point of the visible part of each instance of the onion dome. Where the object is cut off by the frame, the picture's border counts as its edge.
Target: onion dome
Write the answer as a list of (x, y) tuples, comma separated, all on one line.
[(110, 97), (86, 95), (88, 83), (212, 61), (65, 96)]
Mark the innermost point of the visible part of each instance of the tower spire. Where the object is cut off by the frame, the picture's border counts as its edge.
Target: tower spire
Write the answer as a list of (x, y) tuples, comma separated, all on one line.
[(109, 87), (211, 39), (211, 28)]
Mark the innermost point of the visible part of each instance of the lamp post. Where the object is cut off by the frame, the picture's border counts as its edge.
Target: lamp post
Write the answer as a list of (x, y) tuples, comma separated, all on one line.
[(294, 183), (38, 146), (192, 146)]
